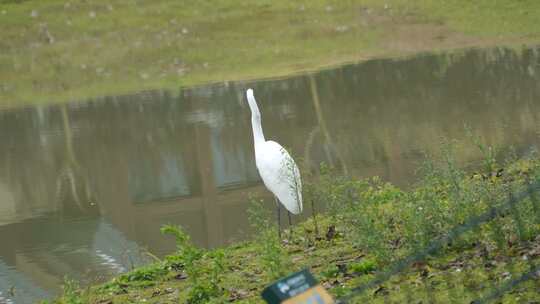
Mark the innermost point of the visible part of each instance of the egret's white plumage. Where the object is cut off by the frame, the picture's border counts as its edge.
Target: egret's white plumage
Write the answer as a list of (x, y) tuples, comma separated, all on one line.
[(276, 167)]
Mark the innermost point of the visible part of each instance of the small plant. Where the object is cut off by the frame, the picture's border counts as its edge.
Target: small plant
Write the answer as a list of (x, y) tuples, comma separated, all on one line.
[(363, 209), (71, 292), (147, 273), (204, 269), (273, 257), (186, 253), (363, 267), (332, 271), (258, 216), (203, 291), (488, 152)]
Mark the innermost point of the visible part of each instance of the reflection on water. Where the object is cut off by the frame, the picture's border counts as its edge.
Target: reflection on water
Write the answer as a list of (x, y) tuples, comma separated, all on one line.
[(85, 187)]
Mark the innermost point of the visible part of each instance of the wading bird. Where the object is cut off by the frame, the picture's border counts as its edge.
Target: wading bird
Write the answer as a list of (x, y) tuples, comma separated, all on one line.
[(276, 167)]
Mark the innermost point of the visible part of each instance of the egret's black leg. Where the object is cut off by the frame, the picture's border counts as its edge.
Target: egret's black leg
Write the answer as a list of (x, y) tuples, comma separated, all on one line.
[(289, 215), (290, 225), (278, 217)]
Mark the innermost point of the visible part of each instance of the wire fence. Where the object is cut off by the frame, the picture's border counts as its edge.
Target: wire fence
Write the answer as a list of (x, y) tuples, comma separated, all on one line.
[(503, 208)]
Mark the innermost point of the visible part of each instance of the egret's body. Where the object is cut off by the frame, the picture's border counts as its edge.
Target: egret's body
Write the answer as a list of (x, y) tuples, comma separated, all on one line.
[(276, 167)]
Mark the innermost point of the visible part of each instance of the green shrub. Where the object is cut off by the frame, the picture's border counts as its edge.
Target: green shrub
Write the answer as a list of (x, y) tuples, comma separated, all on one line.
[(329, 272), (363, 267), (204, 269), (273, 258), (389, 223), (71, 293)]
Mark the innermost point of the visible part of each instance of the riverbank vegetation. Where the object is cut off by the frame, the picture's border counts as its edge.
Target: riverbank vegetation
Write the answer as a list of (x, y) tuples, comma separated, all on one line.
[(456, 235), (65, 50)]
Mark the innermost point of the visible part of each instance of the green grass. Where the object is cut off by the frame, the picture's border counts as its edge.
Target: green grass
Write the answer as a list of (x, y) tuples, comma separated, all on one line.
[(484, 17), (54, 51), (376, 226)]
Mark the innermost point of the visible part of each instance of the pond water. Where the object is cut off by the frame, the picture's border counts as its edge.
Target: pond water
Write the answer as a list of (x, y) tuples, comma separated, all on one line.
[(85, 186)]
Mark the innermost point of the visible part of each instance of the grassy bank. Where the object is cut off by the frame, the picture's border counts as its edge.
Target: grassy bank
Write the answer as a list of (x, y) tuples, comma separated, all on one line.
[(53, 51), (369, 228)]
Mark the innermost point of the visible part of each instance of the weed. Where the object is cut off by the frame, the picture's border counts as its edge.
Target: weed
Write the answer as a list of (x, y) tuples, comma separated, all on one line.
[(204, 269), (273, 258), (363, 267), (71, 292), (258, 216), (389, 223), (204, 291), (186, 253), (148, 274), (330, 271), (361, 208), (489, 153)]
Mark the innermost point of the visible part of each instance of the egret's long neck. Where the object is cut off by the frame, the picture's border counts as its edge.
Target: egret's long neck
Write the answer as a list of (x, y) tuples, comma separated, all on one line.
[(258, 135)]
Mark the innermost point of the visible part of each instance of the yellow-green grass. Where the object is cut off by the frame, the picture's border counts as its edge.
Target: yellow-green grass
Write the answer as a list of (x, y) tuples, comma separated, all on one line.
[(54, 51)]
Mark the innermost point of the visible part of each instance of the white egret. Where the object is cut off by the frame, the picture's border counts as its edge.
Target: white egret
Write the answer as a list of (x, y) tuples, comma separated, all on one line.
[(276, 167)]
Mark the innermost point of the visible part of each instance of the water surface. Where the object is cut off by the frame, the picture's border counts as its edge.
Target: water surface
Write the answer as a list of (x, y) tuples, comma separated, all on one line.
[(85, 186)]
